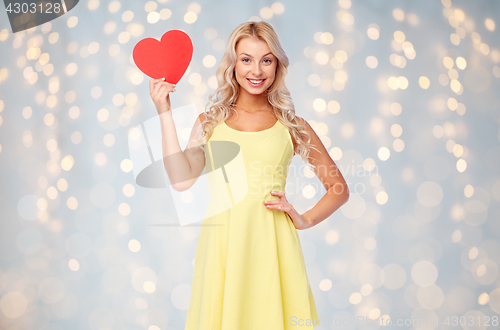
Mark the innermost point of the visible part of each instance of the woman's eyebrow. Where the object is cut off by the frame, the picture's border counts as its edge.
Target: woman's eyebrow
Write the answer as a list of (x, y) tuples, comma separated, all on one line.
[(252, 56)]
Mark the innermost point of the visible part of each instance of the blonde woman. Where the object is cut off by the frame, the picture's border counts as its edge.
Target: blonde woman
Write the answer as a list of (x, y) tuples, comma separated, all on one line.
[(249, 270)]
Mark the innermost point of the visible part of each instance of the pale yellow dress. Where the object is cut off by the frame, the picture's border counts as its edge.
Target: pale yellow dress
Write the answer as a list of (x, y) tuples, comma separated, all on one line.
[(249, 270)]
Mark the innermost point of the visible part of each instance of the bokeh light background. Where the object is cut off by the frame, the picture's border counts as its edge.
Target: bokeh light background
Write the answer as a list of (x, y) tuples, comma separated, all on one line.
[(404, 95)]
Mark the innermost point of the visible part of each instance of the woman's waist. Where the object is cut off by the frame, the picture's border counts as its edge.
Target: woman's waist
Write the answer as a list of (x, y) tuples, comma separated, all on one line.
[(250, 191)]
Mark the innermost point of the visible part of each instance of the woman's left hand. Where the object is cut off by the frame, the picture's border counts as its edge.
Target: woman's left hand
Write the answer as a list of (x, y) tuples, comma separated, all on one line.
[(282, 205)]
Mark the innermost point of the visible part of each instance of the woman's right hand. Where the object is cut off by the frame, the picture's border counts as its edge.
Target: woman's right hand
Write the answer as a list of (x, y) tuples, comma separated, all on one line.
[(160, 93)]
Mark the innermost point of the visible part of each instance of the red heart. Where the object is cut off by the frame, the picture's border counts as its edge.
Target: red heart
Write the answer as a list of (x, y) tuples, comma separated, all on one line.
[(167, 58)]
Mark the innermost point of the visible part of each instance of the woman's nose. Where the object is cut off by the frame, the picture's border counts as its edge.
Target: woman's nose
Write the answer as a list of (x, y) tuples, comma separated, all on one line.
[(256, 70)]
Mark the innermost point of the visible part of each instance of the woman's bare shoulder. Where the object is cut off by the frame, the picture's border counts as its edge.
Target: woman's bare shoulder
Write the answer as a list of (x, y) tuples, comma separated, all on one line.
[(301, 121), (202, 117), (199, 120), (306, 126), (194, 131)]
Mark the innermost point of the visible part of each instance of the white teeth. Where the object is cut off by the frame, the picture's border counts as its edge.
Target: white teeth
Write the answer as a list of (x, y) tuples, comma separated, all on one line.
[(256, 81)]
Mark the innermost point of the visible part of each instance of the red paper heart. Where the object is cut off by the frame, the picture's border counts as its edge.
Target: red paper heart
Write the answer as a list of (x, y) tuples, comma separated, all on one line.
[(167, 58)]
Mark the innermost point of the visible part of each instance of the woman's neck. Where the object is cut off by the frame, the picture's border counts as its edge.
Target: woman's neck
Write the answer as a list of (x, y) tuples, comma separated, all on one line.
[(252, 102)]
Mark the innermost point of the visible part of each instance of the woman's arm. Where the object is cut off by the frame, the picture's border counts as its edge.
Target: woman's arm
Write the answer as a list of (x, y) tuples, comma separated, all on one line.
[(337, 192), (182, 167)]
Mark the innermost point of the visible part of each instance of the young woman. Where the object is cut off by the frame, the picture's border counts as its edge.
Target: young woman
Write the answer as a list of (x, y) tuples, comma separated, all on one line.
[(249, 268)]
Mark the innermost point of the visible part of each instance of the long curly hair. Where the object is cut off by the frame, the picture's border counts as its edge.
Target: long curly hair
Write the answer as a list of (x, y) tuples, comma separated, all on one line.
[(221, 101)]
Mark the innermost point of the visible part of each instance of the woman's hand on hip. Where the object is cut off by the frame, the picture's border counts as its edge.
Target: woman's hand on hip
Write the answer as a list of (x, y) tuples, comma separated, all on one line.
[(283, 205)]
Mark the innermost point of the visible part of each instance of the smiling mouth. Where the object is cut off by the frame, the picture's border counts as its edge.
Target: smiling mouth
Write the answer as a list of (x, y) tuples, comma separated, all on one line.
[(256, 82)]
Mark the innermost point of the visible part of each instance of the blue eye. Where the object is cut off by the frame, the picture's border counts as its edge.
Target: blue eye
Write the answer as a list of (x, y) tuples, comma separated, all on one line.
[(270, 61)]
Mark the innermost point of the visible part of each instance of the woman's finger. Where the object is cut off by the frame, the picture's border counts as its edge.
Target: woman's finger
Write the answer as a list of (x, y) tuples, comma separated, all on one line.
[(280, 194), (165, 85), (274, 204), (170, 86), (162, 86), (158, 86), (269, 206), (163, 95), (152, 83), (160, 95)]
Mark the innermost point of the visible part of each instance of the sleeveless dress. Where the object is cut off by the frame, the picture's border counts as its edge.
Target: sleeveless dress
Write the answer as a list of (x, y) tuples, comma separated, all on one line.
[(249, 270)]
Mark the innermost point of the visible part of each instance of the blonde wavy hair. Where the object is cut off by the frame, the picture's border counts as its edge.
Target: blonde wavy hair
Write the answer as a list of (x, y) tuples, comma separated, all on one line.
[(219, 107)]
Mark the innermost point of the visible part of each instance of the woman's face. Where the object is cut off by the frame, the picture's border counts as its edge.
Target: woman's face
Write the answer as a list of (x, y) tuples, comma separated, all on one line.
[(254, 62)]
